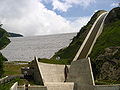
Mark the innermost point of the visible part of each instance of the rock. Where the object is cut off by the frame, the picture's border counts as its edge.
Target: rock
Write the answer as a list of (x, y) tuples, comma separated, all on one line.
[(110, 67)]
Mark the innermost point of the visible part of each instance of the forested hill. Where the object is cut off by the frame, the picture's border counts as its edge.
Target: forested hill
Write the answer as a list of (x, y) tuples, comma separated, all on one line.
[(105, 55), (4, 41), (14, 35)]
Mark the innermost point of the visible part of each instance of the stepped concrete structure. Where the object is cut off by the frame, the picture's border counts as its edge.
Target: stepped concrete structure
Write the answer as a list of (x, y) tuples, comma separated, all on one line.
[(81, 71), (55, 71), (80, 76)]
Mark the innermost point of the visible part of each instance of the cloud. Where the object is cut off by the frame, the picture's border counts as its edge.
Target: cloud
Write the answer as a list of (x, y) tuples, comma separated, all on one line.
[(64, 5), (79, 22), (30, 17), (114, 5)]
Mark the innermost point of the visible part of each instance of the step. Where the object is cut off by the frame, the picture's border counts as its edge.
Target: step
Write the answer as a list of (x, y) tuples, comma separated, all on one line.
[(59, 85)]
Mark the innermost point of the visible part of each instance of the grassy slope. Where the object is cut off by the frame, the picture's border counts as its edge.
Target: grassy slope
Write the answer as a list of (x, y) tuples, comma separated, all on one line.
[(68, 53), (110, 37), (4, 41), (12, 68), (8, 85)]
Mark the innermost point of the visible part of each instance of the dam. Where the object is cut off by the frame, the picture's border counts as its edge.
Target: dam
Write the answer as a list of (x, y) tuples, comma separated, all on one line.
[(25, 48)]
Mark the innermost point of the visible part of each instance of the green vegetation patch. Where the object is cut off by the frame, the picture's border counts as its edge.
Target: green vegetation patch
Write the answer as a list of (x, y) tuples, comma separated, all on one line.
[(12, 68), (106, 82), (4, 41), (109, 38), (51, 61), (8, 85)]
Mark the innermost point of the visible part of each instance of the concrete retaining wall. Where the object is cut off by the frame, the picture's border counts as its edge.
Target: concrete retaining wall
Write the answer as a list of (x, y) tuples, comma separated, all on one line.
[(52, 72), (3, 80), (32, 87), (59, 86), (14, 87), (21, 87), (107, 87), (37, 88), (35, 70), (81, 72)]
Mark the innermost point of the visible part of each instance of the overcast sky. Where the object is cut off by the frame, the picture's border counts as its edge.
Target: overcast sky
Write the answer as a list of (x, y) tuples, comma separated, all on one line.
[(41, 17)]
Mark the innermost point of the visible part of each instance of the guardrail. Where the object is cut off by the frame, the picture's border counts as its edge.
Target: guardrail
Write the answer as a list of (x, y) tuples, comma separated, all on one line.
[(3, 80), (9, 78), (15, 86)]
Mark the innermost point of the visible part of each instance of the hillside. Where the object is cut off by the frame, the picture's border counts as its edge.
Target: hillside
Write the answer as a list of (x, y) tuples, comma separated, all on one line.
[(69, 52), (14, 35), (3, 38), (105, 55), (4, 41)]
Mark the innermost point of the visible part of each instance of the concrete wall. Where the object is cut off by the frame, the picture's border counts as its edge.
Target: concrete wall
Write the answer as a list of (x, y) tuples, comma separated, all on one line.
[(33, 87), (81, 72), (35, 70), (107, 87), (21, 87), (52, 72), (14, 87), (37, 88), (59, 86)]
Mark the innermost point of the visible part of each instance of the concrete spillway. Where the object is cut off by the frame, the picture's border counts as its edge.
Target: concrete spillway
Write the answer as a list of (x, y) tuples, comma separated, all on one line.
[(89, 41)]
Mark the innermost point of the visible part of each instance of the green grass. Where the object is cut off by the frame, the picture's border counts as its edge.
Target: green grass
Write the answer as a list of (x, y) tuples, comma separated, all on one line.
[(12, 68), (8, 85), (4, 41), (51, 61), (109, 38), (106, 82)]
